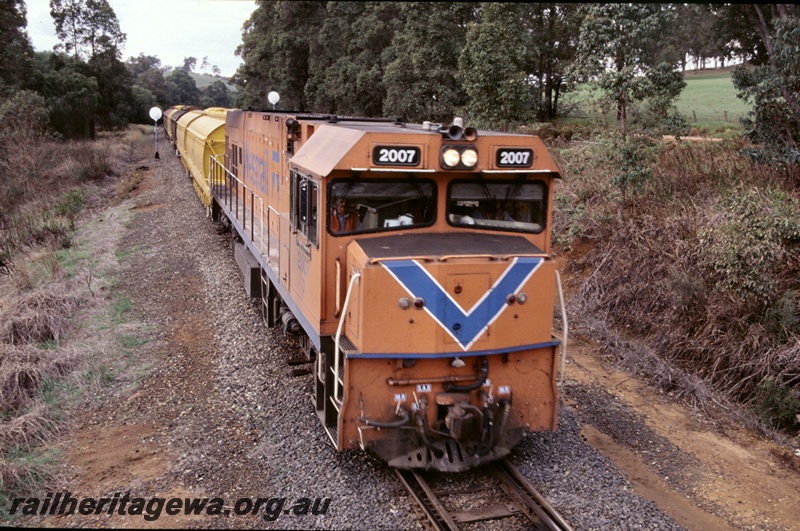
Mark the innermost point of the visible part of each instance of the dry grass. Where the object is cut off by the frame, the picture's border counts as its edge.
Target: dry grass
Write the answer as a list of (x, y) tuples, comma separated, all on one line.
[(57, 295), (36, 317), (24, 368), (702, 276)]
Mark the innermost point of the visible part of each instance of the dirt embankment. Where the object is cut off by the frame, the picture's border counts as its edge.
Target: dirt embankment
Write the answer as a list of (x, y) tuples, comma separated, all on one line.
[(705, 473)]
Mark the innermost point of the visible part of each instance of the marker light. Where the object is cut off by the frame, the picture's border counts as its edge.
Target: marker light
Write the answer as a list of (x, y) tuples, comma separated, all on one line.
[(522, 298), (405, 303), (419, 303)]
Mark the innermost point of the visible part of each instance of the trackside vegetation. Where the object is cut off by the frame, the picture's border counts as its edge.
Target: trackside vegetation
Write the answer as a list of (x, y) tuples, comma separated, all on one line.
[(63, 330), (697, 284)]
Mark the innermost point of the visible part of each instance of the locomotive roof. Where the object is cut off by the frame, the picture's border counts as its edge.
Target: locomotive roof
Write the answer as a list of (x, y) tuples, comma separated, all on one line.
[(388, 126), (331, 141)]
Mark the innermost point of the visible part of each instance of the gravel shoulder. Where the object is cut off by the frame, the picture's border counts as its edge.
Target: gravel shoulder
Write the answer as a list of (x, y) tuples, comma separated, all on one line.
[(208, 408)]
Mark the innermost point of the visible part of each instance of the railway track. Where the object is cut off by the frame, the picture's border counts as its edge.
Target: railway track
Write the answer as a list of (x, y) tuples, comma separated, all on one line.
[(500, 493)]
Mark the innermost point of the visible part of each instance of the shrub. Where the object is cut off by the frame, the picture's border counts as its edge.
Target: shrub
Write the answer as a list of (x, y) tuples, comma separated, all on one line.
[(776, 404), (774, 124), (703, 271), (23, 117), (757, 235), (36, 317), (96, 165)]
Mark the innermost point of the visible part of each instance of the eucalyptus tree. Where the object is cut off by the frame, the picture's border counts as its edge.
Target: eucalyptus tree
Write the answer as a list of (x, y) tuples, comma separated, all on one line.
[(695, 32), (143, 63), (615, 51), (493, 67), (421, 69), (747, 29), (72, 96), (148, 74), (16, 52), (328, 84), (345, 61), (514, 63), (553, 29), (216, 95), (772, 84), (276, 44), (90, 32), (189, 63), (87, 28), (183, 87)]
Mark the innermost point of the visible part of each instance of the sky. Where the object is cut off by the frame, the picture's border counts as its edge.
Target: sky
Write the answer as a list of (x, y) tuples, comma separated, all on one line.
[(169, 29)]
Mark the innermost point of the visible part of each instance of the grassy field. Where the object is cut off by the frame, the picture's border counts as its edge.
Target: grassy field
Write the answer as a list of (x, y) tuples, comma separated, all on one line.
[(709, 98), (204, 80), (708, 102)]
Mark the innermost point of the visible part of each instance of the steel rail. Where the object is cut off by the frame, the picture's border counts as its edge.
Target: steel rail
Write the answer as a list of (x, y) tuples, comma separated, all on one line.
[(524, 498), (528, 498), (426, 500)]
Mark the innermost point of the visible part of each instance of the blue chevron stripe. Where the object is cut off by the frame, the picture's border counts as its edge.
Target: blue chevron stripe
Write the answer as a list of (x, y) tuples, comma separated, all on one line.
[(465, 327)]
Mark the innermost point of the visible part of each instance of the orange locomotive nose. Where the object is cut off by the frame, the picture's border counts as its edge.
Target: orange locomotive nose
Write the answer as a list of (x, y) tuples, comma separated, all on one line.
[(446, 370)]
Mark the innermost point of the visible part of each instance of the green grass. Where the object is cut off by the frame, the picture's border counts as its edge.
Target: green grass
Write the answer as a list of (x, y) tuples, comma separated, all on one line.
[(71, 258), (708, 96), (34, 467), (53, 392), (120, 310)]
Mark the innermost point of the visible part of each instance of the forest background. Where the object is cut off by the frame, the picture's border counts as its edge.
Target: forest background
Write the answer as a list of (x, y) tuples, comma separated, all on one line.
[(682, 257)]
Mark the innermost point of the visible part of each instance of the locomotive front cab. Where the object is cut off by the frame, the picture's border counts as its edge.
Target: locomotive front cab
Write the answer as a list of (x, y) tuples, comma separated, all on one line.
[(445, 341), (416, 260)]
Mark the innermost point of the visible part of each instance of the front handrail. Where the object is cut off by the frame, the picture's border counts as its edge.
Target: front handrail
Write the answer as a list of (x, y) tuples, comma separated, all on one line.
[(338, 310), (566, 327), (338, 382)]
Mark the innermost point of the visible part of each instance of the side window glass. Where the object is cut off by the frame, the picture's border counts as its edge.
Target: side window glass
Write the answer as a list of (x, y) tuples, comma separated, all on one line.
[(305, 198)]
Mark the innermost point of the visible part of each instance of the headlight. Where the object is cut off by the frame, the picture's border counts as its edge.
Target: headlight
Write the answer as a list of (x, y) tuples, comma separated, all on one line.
[(451, 157), (469, 158), (459, 157)]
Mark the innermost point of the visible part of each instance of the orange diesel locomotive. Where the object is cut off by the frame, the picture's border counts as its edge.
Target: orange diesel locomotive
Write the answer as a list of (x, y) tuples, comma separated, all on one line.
[(413, 263)]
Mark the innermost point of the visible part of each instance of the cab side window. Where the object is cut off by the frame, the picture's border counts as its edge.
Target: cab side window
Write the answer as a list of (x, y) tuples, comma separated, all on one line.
[(305, 205)]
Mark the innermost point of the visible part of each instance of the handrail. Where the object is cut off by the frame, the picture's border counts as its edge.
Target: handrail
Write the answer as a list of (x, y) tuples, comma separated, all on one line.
[(253, 195), (491, 257), (337, 312), (338, 381), (522, 255), (445, 258), (566, 326), (390, 258)]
